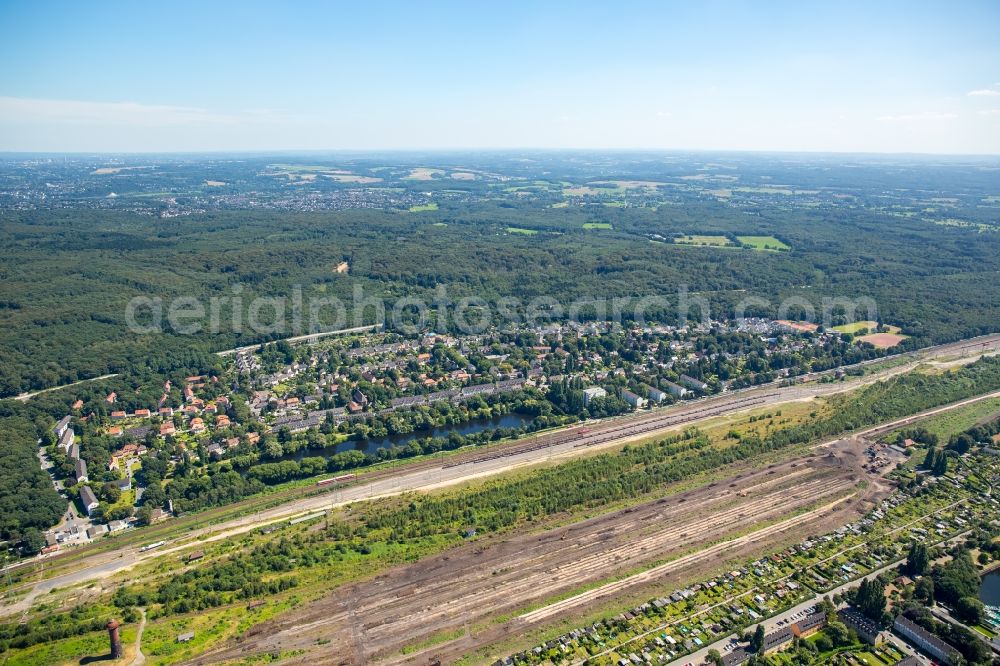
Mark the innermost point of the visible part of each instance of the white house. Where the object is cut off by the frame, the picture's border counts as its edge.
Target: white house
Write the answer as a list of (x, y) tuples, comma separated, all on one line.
[(632, 399), (693, 383), (80, 467), (88, 499), (66, 439), (591, 393), (655, 394), (62, 425), (676, 390)]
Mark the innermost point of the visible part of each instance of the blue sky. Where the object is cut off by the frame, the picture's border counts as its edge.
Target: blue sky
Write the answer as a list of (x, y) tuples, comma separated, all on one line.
[(799, 76)]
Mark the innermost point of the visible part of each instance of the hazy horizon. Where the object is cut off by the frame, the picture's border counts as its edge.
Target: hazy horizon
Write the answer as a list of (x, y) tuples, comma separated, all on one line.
[(897, 78)]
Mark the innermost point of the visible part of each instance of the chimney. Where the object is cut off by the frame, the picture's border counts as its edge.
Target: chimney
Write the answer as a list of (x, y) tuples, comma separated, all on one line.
[(116, 640)]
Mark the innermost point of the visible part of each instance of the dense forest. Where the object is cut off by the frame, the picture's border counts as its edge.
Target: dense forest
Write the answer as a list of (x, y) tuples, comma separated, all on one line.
[(68, 277)]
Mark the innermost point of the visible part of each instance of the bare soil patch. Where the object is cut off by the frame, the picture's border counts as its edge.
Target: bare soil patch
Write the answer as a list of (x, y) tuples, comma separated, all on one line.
[(883, 340), (533, 578)]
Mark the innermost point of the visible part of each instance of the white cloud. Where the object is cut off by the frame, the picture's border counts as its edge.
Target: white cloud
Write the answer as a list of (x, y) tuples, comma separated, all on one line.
[(19, 109), (919, 117), (984, 92), (989, 112)]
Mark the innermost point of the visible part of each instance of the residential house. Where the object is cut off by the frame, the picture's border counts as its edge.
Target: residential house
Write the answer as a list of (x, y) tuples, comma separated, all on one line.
[(867, 630), (63, 426), (88, 499), (694, 384), (142, 414), (632, 399), (777, 640), (676, 390), (591, 393), (67, 439), (655, 394), (95, 531), (925, 640), (80, 469), (167, 428), (118, 415)]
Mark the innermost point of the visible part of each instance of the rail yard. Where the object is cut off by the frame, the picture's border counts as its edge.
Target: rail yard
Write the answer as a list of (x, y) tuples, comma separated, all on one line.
[(692, 532)]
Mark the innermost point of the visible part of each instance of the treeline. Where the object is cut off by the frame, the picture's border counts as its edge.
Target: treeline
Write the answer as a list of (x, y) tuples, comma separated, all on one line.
[(28, 501), (981, 434), (20, 636), (243, 576)]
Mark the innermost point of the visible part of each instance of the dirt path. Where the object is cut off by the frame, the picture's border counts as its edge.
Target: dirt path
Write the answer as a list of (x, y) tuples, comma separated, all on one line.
[(25, 397), (140, 658)]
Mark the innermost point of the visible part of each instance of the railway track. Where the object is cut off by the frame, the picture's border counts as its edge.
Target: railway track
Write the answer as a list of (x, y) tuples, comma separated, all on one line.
[(718, 550), (591, 436), (399, 610), (600, 564)]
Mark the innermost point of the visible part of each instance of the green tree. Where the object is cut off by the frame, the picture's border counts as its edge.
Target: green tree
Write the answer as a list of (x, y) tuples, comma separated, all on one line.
[(924, 590), (970, 610), (33, 542), (144, 515), (940, 467), (870, 598), (956, 579), (917, 560), (839, 634), (757, 642)]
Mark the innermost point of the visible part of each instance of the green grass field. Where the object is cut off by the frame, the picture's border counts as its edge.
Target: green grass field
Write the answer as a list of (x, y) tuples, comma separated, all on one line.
[(422, 208), (859, 325), (958, 420), (856, 326), (714, 241), (764, 243), (519, 230), (598, 225)]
